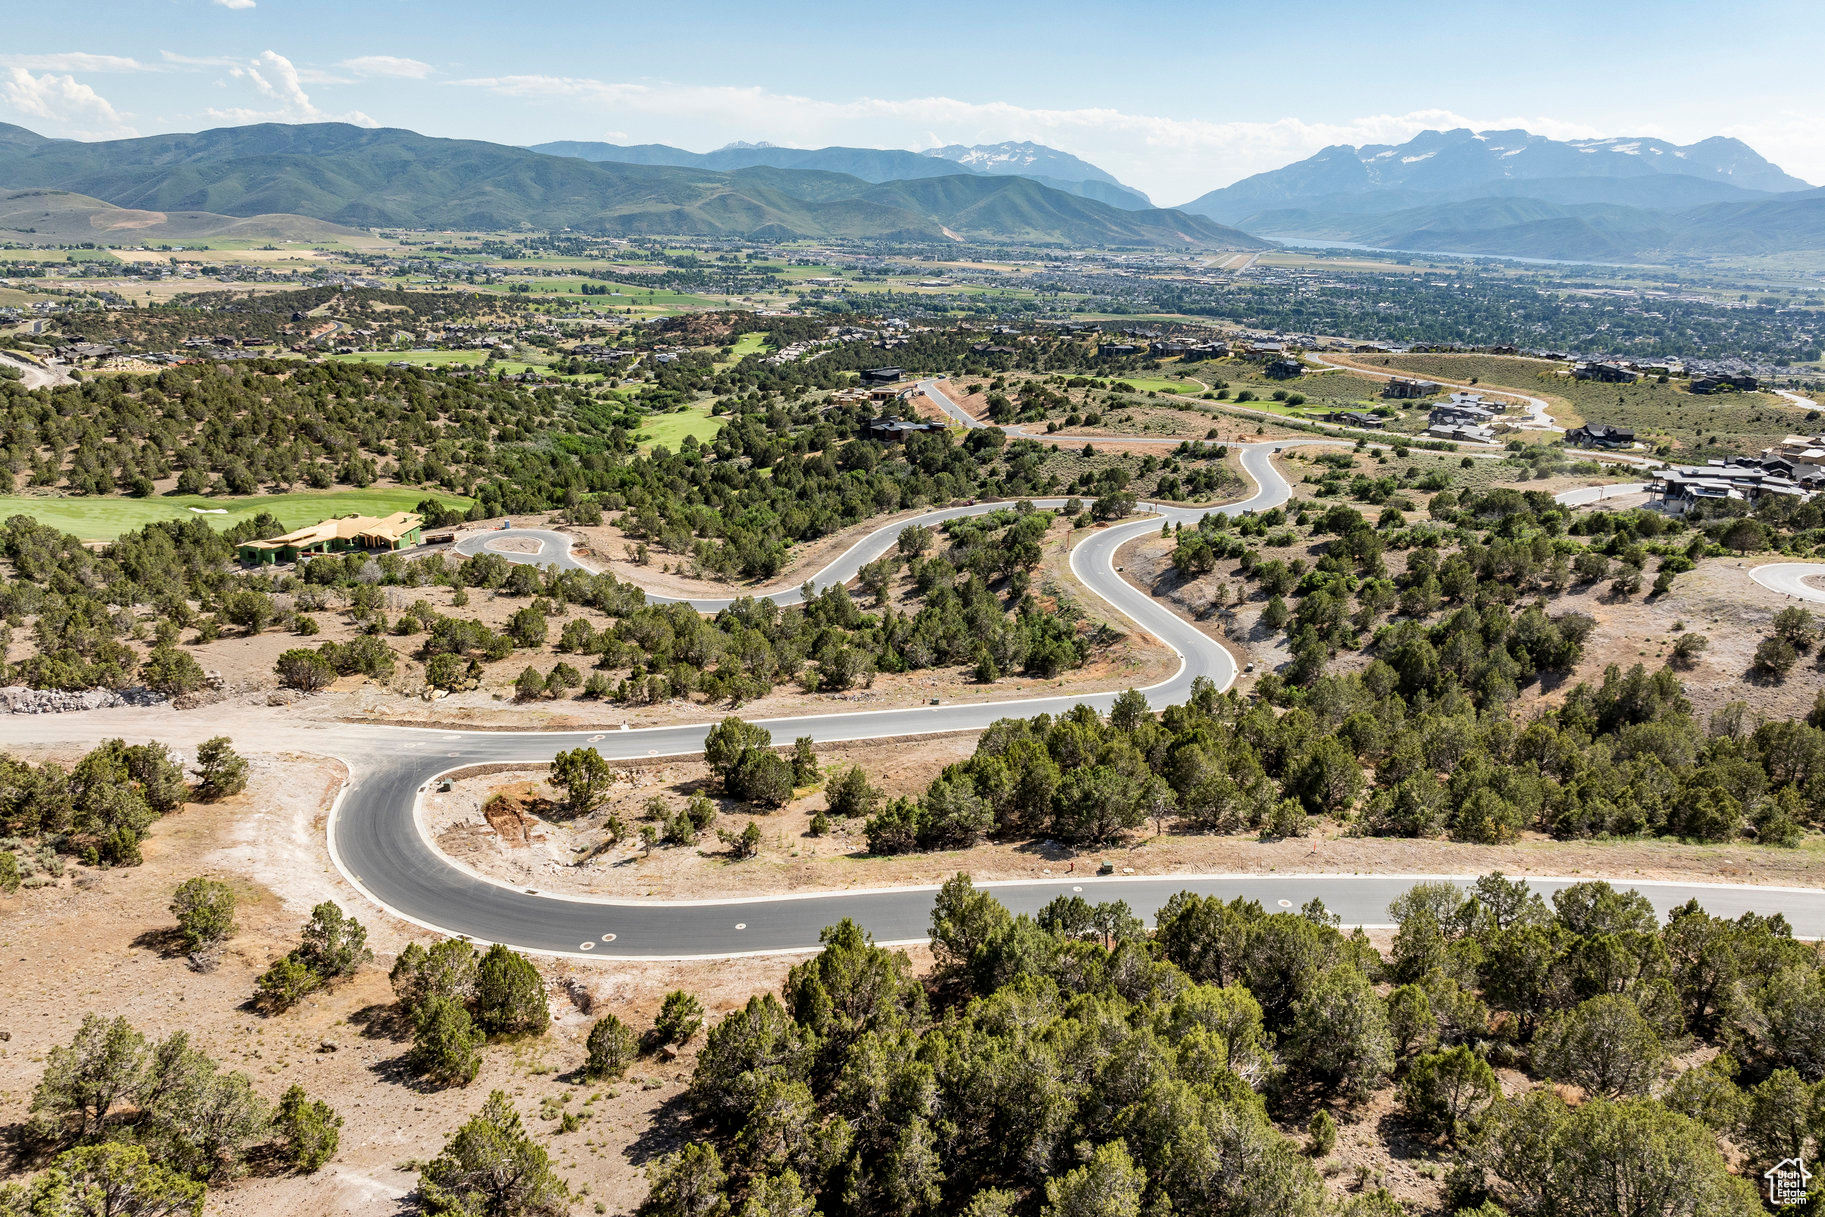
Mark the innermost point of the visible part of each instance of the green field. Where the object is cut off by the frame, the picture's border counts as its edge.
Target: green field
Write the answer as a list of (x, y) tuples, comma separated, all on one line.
[(751, 343), (1156, 384), (105, 517), (670, 429), (423, 359)]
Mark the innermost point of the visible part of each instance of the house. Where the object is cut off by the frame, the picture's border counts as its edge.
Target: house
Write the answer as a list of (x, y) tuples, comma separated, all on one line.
[(1462, 432), (1405, 389), (1356, 418), (1449, 413), (1599, 435), (891, 430), (1284, 369), (883, 376), (1678, 487), (1803, 456), (1166, 350), (1116, 350), (1704, 385), (401, 530), (1605, 373), (1207, 350)]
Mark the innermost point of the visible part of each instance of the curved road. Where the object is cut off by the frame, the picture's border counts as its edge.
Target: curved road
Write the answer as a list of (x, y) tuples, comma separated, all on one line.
[(1788, 578), (379, 846), (554, 547)]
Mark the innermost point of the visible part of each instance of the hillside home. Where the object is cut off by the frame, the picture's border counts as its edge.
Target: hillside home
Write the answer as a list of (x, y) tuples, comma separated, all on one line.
[(1599, 435), (401, 530), (1406, 390), (1605, 373)]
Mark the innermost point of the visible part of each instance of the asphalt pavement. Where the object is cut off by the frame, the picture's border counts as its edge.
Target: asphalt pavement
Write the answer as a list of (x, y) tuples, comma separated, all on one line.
[(379, 845)]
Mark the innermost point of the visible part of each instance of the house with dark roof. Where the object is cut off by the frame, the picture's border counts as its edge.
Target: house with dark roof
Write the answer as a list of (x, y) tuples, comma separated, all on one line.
[(1403, 389), (883, 376), (1283, 369), (1599, 435), (891, 430), (1605, 373)]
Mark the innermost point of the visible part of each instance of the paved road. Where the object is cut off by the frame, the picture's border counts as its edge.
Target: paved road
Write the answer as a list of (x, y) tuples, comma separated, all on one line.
[(36, 375), (554, 547), (1787, 578), (377, 842)]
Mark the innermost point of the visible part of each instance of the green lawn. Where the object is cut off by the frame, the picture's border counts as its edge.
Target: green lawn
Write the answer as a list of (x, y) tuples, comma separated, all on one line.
[(1156, 384), (105, 517), (751, 343), (670, 429), (422, 358)]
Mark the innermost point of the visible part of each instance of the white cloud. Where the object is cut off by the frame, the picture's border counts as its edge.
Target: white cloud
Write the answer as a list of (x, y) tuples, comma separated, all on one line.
[(236, 4), (62, 104), (278, 80), (74, 61), (387, 65), (1174, 159)]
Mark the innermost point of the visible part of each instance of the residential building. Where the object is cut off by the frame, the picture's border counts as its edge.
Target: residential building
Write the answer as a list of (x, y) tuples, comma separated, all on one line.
[(1283, 369), (401, 530), (1705, 385), (1599, 435), (883, 376), (1462, 432), (1606, 373), (1406, 390), (1451, 413), (895, 430), (1677, 487)]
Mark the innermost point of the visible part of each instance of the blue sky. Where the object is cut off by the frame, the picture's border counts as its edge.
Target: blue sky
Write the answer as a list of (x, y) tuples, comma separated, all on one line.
[(1173, 98)]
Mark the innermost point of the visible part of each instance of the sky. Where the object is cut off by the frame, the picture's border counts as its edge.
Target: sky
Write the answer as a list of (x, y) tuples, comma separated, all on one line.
[(1172, 98)]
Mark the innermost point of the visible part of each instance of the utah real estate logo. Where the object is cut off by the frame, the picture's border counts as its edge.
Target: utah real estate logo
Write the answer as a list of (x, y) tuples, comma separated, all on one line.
[(1787, 1182)]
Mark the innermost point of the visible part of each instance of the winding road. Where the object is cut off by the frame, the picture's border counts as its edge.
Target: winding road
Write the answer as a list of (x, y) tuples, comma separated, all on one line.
[(379, 844)]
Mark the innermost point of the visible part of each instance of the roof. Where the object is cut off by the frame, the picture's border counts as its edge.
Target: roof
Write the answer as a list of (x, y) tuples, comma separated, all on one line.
[(348, 528)]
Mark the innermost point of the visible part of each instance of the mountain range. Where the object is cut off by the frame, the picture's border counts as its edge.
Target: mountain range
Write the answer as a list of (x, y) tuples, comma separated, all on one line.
[(1047, 166), (1518, 194), (364, 177)]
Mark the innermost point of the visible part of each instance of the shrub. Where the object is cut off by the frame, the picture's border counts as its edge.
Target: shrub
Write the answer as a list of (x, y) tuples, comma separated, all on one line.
[(490, 1166), (1775, 657), (446, 1043), (286, 983), (304, 670), (744, 844), (680, 1018), (849, 794), (509, 994), (204, 910), (1322, 1133), (761, 778), (1448, 1093), (611, 1049), (307, 1130)]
